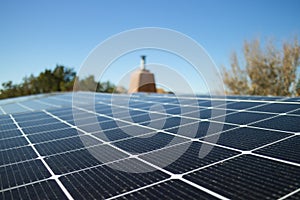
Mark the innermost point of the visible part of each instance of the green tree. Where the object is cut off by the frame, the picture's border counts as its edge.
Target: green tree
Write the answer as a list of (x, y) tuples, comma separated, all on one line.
[(88, 84), (25, 86), (7, 90), (106, 87), (45, 82), (63, 78), (59, 79)]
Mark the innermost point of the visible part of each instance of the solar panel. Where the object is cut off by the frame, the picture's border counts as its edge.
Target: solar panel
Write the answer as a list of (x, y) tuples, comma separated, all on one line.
[(144, 146), (249, 177)]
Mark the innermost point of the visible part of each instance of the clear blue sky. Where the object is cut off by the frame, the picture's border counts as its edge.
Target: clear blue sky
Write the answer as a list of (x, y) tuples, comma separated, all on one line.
[(40, 34)]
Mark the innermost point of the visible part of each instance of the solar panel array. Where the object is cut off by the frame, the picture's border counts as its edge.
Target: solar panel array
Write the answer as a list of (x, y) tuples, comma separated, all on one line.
[(51, 149)]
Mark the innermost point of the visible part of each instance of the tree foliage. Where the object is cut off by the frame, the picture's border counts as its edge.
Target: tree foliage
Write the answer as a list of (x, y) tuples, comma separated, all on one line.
[(267, 70), (60, 79), (89, 84)]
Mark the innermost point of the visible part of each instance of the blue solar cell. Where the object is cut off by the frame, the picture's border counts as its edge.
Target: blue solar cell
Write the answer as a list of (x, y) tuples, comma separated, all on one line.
[(105, 181), (43, 190), (246, 138), (53, 135), (294, 99), (83, 158), (111, 135), (13, 108), (172, 189), (22, 173), (148, 143), (207, 113), (7, 120), (243, 105), (200, 129), (296, 112), (122, 132), (37, 105), (167, 122), (45, 127), (144, 117), (38, 122), (30, 116), (188, 156), (10, 133), (284, 123), (141, 105), (211, 103), (12, 142), (244, 117), (277, 107), (4, 118), (288, 149), (249, 177), (136, 112), (102, 126), (7, 126), (16, 155), (63, 145)]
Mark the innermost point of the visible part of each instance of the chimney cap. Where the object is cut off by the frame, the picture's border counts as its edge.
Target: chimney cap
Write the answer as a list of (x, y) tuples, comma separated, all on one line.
[(143, 62)]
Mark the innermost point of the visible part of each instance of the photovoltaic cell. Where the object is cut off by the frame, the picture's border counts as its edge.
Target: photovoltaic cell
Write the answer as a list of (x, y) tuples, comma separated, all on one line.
[(200, 129), (149, 146), (208, 113), (296, 112), (277, 108), (36, 105), (144, 117), (5, 120), (83, 158), (13, 108), (243, 105), (107, 181), (38, 122), (249, 177), (7, 126), (211, 103), (12, 142), (54, 135), (188, 156), (21, 173), (111, 135), (167, 122), (284, 123), (242, 118), (101, 126), (42, 190), (9, 133), (172, 189), (67, 144), (30, 116), (288, 149), (45, 127), (16, 155), (294, 196), (148, 142), (247, 138)]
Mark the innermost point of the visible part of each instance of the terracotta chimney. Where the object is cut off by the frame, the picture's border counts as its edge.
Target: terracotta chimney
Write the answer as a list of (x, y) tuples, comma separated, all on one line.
[(142, 80)]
